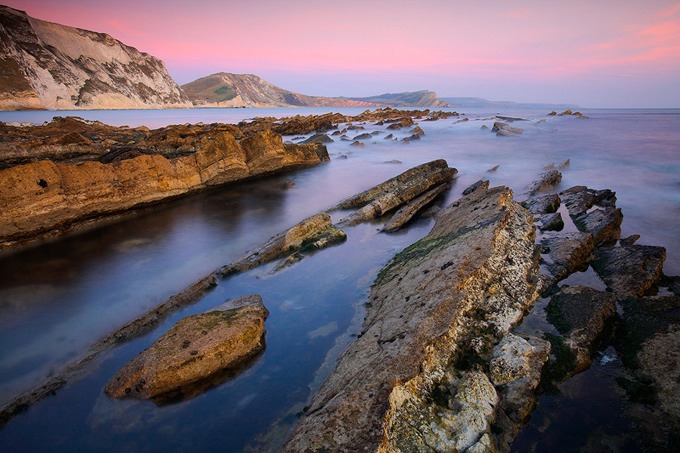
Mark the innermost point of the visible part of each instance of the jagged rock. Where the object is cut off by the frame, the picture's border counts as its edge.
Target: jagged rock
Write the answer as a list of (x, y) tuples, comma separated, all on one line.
[(313, 233), (630, 240), (515, 369), (357, 144), (505, 130), (376, 133), (545, 204), (546, 181), (579, 199), (363, 137), (484, 127), (629, 271), (410, 138), (567, 253), (603, 223), (194, 349), (388, 137), (550, 222), (354, 127), (317, 138), (408, 211), (440, 304), (581, 315), (493, 169), (417, 131), (479, 184), (397, 191)]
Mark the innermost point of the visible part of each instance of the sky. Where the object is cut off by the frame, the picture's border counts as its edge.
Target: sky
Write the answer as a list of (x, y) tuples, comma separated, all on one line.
[(597, 53)]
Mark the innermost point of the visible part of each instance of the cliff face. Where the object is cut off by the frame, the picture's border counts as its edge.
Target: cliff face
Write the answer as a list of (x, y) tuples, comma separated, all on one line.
[(52, 66), (248, 90)]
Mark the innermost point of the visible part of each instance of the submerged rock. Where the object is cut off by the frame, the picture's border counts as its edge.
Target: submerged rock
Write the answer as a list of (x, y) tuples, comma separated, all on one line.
[(581, 315), (408, 382), (505, 130), (194, 349), (481, 184), (546, 181), (317, 138)]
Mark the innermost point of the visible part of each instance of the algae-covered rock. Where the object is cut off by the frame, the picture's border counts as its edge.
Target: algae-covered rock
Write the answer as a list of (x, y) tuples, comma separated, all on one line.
[(194, 349)]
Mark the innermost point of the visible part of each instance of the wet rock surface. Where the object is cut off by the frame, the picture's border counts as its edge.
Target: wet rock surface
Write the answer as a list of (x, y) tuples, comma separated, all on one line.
[(196, 348), (630, 270), (505, 130), (397, 386)]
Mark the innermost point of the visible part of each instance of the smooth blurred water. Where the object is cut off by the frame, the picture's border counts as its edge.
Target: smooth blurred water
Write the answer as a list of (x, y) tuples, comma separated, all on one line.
[(58, 298)]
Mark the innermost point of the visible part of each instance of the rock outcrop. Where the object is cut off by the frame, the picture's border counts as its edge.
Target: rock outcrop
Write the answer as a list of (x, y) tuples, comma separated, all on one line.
[(196, 348), (51, 66), (411, 379), (47, 197)]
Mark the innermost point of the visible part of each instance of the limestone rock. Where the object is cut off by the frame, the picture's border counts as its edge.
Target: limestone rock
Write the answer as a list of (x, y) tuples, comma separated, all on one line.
[(629, 271), (477, 185), (446, 299), (545, 181), (505, 130), (363, 137), (604, 224), (545, 204), (581, 315), (579, 199), (196, 348), (567, 253), (408, 211), (550, 222)]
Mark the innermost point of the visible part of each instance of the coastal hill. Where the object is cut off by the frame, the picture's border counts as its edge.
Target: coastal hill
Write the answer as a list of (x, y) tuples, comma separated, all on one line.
[(44, 65), (248, 90)]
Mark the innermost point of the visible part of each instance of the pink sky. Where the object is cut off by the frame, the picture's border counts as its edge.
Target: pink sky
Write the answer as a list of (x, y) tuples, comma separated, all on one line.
[(604, 53)]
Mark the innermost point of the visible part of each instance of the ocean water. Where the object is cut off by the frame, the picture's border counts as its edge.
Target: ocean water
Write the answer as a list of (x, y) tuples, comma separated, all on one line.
[(58, 298)]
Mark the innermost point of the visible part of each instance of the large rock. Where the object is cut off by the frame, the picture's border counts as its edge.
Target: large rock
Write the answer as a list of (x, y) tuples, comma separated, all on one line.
[(196, 348), (409, 211), (396, 191), (566, 253), (313, 233), (545, 181), (582, 315), (46, 198), (631, 270), (51, 66), (438, 307)]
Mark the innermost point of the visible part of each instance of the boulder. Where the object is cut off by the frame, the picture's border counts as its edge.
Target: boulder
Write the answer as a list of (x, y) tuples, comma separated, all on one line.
[(409, 382), (417, 131), (582, 315), (629, 270), (196, 348)]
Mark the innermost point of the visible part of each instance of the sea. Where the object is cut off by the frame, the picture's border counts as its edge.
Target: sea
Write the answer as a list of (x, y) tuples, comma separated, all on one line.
[(59, 297)]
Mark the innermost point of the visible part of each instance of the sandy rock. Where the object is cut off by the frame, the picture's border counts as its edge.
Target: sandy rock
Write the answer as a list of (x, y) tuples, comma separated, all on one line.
[(195, 349), (629, 271), (446, 299)]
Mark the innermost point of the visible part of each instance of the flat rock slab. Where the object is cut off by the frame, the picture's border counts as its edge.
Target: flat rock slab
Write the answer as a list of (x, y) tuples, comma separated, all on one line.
[(603, 223), (194, 349), (567, 253), (579, 199), (409, 211), (629, 271), (581, 315), (546, 181), (544, 204), (460, 288)]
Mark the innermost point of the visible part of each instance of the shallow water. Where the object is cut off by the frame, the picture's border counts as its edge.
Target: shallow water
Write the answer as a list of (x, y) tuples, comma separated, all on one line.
[(58, 298)]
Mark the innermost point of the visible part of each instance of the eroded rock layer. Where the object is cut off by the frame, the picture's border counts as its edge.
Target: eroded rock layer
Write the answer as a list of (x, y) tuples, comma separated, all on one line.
[(439, 306)]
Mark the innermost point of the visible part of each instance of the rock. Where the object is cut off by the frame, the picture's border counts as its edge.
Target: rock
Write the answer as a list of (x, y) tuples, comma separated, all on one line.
[(545, 204), (408, 211), (515, 369), (484, 127), (376, 133), (505, 130), (630, 240), (564, 164), (603, 223), (317, 138), (629, 271), (363, 137), (196, 348), (388, 137), (546, 181), (353, 127), (553, 113), (567, 253), (313, 233), (357, 144), (550, 222), (649, 341), (408, 381), (394, 126), (51, 66), (417, 131), (47, 198), (493, 169), (580, 199), (582, 315), (410, 138), (395, 192), (393, 161), (479, 184)]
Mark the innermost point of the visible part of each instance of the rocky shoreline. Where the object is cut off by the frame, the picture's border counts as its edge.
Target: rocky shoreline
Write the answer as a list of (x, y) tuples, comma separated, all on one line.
[(444, 360)]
